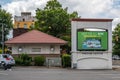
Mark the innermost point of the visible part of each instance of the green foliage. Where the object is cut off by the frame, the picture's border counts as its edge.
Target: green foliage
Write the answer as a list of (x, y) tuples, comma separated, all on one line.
[(0, 51), (39, 60), (68, 39), (6, 22), (116, 40), (53, 19), (66, 60), (18, 61), (23, 60), (26, 59)]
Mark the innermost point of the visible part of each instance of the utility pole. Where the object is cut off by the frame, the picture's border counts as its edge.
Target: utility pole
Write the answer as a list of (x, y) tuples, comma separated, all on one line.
[(2, 39)]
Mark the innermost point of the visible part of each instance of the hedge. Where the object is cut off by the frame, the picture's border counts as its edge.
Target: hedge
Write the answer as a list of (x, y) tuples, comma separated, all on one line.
[(66, 60), (39, 60), (23, 60)]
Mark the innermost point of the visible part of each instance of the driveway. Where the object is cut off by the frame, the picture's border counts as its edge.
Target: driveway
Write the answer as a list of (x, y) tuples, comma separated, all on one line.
[(36, 73)]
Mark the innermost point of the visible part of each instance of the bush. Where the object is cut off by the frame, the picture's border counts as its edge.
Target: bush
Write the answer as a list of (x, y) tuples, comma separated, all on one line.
[(18, 61), (66, 60), (0, 51), (39, 61), (23, 60), (26, 60)]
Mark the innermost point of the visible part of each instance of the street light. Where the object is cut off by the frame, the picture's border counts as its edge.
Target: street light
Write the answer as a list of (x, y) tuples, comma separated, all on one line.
[(2, 39), (2, 42)]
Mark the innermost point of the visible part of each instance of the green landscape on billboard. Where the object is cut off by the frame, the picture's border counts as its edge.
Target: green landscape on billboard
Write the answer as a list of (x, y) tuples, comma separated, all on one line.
[(92, 40)]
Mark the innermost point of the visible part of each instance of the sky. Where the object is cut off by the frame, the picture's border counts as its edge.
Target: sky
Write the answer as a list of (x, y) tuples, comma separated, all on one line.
[(86, 8)]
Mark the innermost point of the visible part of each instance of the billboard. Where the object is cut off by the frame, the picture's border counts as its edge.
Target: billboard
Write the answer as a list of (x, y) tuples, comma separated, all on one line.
[(92, 40)]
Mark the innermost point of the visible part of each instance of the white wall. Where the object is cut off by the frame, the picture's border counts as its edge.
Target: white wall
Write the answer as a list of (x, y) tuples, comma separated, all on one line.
[(92, 60), (27, 48)]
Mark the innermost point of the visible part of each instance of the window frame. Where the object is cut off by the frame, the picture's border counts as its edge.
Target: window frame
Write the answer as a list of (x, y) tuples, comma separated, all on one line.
[(36, 50)]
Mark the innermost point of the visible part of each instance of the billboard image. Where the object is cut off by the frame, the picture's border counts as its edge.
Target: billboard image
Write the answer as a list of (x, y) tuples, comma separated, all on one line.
[(93, 40)]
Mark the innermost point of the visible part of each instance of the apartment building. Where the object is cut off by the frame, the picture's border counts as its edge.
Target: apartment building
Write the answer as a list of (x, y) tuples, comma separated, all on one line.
[(23, 23)]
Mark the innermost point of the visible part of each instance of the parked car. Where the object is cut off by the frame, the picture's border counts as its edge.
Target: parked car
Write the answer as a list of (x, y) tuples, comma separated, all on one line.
[(115, 57), (6, 61)]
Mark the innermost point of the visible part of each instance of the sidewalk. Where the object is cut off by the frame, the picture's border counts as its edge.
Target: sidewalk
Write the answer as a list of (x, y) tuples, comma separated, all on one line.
[(116, 67)]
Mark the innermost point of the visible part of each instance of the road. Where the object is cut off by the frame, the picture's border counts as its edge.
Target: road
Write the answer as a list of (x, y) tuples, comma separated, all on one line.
[(35, 73)]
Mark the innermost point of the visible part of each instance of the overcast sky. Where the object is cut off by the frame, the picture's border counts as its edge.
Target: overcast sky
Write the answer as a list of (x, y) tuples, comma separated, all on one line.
[(85, 8)]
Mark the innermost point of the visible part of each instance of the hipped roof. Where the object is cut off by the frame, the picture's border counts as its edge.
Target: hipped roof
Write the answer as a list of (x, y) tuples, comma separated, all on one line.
[(35, 36)]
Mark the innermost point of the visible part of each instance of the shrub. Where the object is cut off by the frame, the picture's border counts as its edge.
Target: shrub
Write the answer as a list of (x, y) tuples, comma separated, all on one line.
[(23, 60), (39, 60), (26, 59), (26, 63), (66, 60), (18, 61), (0, 51)]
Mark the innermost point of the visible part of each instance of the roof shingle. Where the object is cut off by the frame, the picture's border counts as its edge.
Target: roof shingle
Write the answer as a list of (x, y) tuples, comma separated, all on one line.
[(35, 36)]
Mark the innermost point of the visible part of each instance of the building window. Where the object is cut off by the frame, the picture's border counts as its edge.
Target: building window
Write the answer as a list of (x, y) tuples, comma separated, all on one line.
[(52, 48), (23, 19), (36, 49), (25, 25), (20, 49)]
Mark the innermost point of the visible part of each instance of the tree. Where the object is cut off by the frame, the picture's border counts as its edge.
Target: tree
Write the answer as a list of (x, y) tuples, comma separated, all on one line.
[(55, 20), (6, 22), (116, 40)]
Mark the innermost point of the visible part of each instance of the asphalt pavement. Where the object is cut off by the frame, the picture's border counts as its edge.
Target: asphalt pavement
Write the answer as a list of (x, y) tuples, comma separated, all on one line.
[(44, 73)]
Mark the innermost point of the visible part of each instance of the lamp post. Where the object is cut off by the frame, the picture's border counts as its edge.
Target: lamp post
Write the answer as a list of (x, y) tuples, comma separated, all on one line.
[(2, 39), (2, 36)]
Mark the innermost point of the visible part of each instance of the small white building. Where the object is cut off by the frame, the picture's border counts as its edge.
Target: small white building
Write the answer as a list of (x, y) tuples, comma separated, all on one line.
[(37, 43), (89, 55)]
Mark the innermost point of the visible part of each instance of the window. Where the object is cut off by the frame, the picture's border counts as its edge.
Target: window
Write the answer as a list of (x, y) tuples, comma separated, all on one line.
[(20, 49), (5, 56), (36, 49), (23, 19), (52, 48), (25, 25)]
